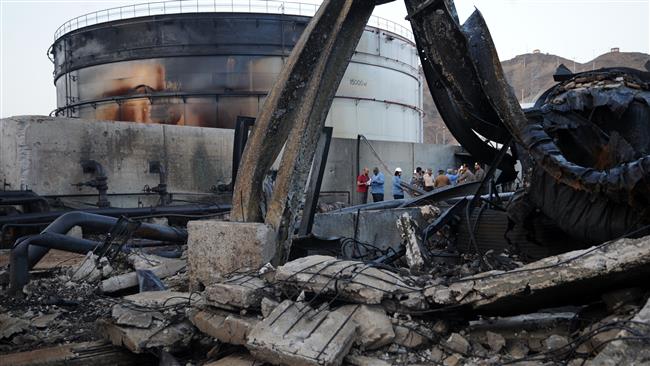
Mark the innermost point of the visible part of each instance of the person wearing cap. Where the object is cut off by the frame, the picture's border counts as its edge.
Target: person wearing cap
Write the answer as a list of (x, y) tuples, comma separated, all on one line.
[(398, 191), (428, 181), (377, 185)]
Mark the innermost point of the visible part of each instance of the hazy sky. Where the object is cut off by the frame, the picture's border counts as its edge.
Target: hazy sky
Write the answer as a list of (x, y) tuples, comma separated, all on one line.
[(579, 29)]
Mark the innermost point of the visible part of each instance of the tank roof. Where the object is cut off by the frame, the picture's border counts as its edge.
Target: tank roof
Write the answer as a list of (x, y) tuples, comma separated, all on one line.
[(213, 6)]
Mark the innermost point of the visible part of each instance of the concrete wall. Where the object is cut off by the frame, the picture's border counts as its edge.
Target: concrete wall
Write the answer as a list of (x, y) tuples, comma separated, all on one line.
[(341, 170), (43, 154)]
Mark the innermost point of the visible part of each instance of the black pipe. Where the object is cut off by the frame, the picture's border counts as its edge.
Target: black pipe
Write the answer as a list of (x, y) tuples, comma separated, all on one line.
[(25, 256), (19, 270), (117, 212), (86, 220)]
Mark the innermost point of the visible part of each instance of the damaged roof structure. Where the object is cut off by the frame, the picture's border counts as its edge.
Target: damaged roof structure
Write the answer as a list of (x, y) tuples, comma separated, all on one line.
[(475, 274)]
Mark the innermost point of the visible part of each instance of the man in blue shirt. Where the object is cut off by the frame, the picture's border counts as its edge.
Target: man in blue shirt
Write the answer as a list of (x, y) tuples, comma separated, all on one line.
[(377, 185), (398, 191)]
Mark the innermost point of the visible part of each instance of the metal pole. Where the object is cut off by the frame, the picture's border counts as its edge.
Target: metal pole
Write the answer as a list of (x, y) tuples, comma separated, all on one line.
[(315, 181)]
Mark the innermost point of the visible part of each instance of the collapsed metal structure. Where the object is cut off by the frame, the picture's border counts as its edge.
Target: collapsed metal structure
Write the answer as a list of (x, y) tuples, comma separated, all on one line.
[(583, 148)]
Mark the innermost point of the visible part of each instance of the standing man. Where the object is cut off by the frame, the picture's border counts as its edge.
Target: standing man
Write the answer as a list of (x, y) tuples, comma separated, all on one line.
[(362, 185), (465, 175), (377, 185), (398, 191), (479, 173), (452, 175), (441, 180), (428, 181), (417, 181)]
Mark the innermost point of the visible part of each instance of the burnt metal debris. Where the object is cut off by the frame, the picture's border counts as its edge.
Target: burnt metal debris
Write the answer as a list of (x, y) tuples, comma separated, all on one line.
[(473, 274)]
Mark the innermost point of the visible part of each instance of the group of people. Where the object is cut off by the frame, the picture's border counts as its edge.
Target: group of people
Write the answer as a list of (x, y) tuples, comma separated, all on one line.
[(424, 180)]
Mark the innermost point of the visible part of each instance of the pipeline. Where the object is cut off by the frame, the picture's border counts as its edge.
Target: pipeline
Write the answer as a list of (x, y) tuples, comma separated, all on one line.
[(46, 217), (28, 251)]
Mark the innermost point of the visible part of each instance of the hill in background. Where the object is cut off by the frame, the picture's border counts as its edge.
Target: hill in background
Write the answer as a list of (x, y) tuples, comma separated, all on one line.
[(530, 75)]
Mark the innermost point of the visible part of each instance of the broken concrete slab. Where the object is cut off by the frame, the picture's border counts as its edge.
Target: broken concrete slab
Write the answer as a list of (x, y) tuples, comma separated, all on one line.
[(350, 280), (411, 240), (88, 270), (495, 341), (296, 334), (631, 344), (239, 291), (408, 337), (129, 280), (457, 343), (375, 328), (133, 317), (219, 248), (137, 340), (267, 306), (159, 299), (11, 325), (226, 327), (43, 321), (551, 280)]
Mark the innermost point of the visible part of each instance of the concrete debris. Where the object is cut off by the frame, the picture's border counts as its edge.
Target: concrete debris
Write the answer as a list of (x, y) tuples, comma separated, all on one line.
[(630, 345), (375, 328), (238, 246), (457, 343), (150, 320), (43, 321), (495, 341), (226, 327), (541, 282), (172, 337), (267, 305), (353, 281), (10, 326), (239, 291), (89, 270), (296, 334), (411, 240), (130, 279), (409, 337)]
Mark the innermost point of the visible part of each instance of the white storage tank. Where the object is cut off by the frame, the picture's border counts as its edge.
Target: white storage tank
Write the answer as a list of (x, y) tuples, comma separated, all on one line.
[(203, 63)]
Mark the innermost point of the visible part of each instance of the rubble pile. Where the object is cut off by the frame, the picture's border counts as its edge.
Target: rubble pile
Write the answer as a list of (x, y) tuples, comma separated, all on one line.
[(582, 307)]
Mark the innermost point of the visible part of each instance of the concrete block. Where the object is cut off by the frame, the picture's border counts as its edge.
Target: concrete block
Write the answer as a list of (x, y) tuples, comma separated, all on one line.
[(137, 340), (225, 327), (239, 291), (295, 334), (375, 328), (359, 282), (409, 338), (218, 248)]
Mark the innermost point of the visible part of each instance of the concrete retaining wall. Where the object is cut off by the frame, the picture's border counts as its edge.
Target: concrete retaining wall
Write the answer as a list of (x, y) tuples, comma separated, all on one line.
[(43, 154)]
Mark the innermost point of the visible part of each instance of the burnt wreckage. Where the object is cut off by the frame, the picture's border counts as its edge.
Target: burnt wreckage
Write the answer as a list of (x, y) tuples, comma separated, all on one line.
[(583, 147), (392, 284)]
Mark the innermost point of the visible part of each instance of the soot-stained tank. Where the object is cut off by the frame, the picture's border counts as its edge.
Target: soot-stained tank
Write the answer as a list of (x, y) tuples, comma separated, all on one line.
[(203, 63)]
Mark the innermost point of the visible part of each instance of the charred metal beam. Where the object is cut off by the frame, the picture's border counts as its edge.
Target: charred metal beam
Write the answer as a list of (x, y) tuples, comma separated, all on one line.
[(619, 183), (315, 181), (449, 109), (434, 26), (299, 95)]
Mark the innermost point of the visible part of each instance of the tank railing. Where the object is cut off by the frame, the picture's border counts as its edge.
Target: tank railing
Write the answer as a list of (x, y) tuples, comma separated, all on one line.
[(210, 6)]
